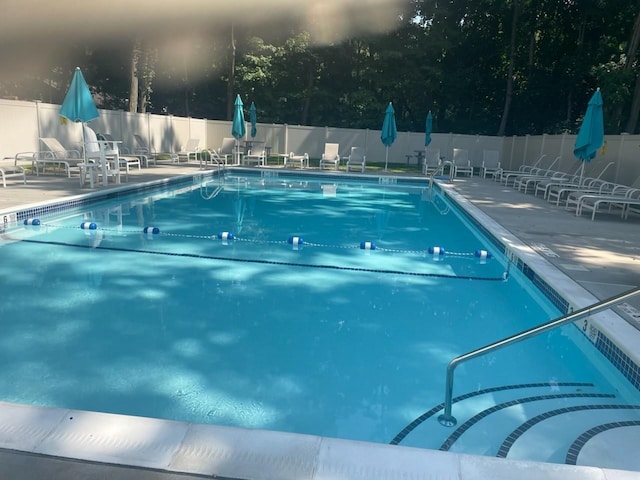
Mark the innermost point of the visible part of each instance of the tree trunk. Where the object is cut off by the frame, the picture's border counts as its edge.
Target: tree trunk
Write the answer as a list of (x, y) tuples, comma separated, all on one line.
[(133, 86), (232, 75), (311, 76), (512, 55), (148, 70), (632, 121)]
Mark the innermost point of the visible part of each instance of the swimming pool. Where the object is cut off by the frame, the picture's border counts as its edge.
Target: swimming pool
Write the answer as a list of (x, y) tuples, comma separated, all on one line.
[(326, 338)]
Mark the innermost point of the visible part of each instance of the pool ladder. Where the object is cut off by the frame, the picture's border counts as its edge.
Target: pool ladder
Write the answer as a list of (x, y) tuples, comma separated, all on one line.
[(212, 159), (447, 419), (440, 169), (432, 197)]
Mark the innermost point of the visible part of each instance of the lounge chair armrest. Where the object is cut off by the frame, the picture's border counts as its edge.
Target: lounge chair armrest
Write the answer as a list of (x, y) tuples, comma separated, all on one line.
[(24, 157)]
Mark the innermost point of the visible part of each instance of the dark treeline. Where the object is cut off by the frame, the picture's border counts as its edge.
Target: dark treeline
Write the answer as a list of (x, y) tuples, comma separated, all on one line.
[(506, 67)]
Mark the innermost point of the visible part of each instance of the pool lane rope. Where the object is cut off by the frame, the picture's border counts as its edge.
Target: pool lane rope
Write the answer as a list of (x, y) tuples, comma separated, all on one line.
[(295, 241)]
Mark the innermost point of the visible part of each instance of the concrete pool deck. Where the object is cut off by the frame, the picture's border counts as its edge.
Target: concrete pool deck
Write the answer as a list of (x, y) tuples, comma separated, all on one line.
[(602, 256)]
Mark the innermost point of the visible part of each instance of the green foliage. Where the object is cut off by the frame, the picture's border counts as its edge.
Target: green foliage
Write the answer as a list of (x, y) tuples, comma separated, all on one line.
[(449, 57)]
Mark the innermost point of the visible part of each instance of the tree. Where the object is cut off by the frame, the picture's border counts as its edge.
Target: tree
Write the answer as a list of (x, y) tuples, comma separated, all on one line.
[(632, 51), (512, 52)]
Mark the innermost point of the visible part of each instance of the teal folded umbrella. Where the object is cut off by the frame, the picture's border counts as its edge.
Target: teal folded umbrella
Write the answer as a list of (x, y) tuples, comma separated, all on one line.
[(253, 119), (78, 104), (591, 134), (238, 127), (389, 131), (428, 128)]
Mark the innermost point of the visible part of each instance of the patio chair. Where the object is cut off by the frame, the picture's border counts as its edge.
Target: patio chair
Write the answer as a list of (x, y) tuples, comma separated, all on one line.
[(144, 149), (143, 160), (551, 189), (503, 176), (593, 202), (330, 157), (11, 170), (461, 163), (257, 157), (523, 182), (301, 160), (490, 163), (558, 192), (190, 150), (57, 157), (126, 161), (356, 159), (101, 159), (228, 149), (432, 161)]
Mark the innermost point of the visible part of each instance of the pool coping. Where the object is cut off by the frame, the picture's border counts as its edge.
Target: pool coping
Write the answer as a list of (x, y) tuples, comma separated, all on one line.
[(245, 453)]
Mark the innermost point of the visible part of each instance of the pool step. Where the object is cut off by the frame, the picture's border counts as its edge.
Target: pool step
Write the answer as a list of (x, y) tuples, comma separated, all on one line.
[(547, 422)]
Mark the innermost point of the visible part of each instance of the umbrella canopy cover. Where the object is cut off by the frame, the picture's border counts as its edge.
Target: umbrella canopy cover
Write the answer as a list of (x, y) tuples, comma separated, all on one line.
[(427, 129), (253, 118), (78, 104), (239, 127), (591, 135), (389, 130)]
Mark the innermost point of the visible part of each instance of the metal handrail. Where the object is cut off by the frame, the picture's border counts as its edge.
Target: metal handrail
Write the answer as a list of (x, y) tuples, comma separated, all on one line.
[(441, 170), (447, 419)]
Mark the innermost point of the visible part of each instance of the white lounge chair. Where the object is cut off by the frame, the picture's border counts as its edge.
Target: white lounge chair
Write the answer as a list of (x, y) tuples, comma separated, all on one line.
[(558, 192), (228, 149), (432, 161), (301, 160), (57, 157), (539, 172), (190, 150), (257, 157), (101, 160), (144, 149), (593, 202), (503, 176), (9, 169), (461, 163), (331, 156), (490, 163), (143, 160), (356, 159), (126, 161)]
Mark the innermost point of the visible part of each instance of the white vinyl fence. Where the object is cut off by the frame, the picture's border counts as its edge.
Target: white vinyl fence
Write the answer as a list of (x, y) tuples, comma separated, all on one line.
[(23, 123)]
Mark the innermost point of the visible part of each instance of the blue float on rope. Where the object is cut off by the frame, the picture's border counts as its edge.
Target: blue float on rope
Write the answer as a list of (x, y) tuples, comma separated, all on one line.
[(153, 230), (437, 250), (225, 236), (482, 254), (367, 246), (295, 241), (31, 221), (88, 226)]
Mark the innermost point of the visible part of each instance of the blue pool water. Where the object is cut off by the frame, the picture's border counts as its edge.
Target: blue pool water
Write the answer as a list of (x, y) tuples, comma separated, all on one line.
[(326, 339)]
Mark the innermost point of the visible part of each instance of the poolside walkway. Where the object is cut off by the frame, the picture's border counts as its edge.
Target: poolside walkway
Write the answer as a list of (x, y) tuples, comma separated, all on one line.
[(603, 256)]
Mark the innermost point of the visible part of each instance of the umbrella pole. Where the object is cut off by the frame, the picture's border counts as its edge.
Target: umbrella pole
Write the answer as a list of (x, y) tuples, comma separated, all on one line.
[(386, 159)]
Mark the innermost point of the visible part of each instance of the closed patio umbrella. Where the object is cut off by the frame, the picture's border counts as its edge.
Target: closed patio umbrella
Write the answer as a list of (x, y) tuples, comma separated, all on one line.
[(253, 118), (79, 107), (389, 131), (78, 104), (427, 129), (591, 134), (238, 127)]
